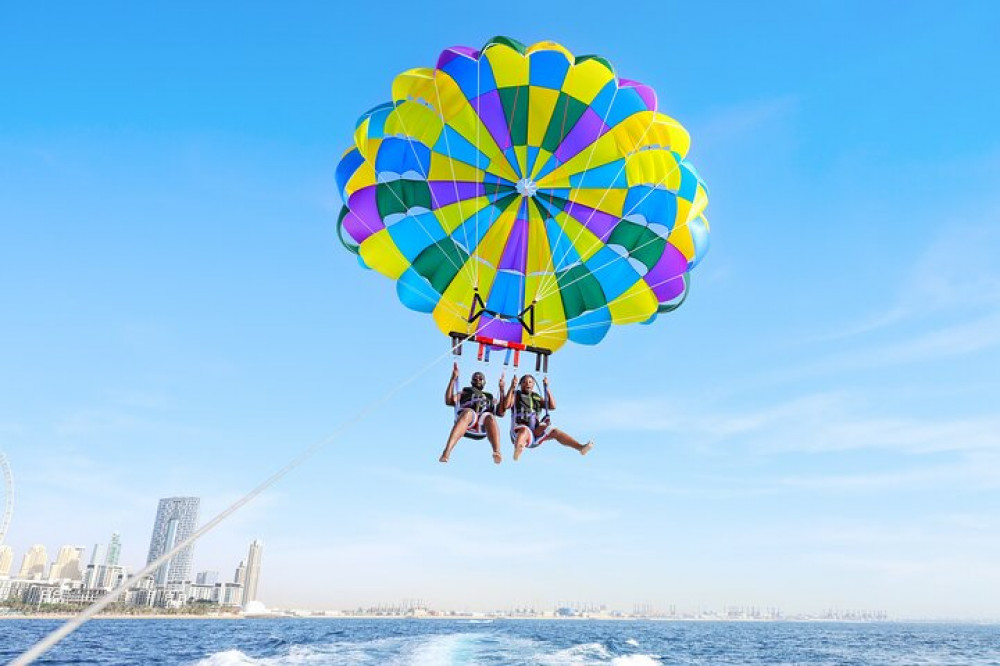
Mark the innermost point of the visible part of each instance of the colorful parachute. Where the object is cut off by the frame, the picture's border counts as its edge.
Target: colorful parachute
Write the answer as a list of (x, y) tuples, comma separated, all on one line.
[(524, 194)]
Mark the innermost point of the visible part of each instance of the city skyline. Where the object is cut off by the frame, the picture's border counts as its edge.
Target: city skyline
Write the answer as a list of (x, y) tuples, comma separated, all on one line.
[(168, 586)]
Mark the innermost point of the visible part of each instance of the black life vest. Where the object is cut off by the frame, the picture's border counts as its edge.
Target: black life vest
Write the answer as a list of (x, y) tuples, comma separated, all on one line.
[(476, 400), (528, 408)]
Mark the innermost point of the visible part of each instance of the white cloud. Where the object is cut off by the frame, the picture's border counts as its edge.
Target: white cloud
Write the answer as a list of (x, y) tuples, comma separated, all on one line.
[(811, 424), (958, 274)]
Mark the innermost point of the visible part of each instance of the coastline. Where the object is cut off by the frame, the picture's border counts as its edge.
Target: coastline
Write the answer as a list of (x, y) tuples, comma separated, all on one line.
[(460, 618)]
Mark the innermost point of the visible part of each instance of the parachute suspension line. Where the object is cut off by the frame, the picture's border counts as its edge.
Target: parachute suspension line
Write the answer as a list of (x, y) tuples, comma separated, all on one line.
[(494, 216), (473, 271), (50, 640), (637, 204), (597, 206), (584, 224), (550, 272), (381, 181), (619, 258), (409, 142), (440, 303), (624, 320), (543, 234), (479, 134)]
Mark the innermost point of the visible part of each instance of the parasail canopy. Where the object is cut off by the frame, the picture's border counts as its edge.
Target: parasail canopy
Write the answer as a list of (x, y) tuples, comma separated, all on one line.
[(525, 195)]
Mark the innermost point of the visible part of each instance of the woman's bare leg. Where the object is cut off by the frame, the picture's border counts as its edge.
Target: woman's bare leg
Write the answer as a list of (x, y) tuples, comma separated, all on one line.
[(493, 434), (565, 439), (462, 423), (523, 437)]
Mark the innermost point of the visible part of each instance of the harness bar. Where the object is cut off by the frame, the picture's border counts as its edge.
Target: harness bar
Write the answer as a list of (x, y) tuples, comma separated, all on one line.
[(541, 354)]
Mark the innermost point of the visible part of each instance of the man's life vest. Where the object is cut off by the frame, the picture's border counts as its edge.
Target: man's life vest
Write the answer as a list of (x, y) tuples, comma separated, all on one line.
[(476, 400)]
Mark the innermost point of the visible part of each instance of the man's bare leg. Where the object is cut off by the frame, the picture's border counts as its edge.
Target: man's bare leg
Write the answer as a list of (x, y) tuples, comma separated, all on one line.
[(566, 440), (462, 423), (493, 434)]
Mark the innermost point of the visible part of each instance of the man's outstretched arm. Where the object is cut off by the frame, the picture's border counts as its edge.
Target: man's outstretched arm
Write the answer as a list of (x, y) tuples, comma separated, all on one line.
[(449, 393)]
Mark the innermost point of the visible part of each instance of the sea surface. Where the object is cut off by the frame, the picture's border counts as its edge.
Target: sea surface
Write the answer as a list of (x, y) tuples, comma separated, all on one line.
[(441, 642)]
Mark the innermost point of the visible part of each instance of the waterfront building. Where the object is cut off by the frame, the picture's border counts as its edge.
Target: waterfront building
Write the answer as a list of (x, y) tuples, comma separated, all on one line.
[(14, 589), (252, 572), (229, 594), (6, 559), (34, 562), (142, 593), (201, 592), (114, 550), (67, 564), (176, 520), (241, 573), (97, 553), (45, 593), (171, 595)]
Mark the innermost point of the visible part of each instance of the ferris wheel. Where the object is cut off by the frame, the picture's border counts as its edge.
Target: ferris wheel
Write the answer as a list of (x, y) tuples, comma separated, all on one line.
[(7, 501)]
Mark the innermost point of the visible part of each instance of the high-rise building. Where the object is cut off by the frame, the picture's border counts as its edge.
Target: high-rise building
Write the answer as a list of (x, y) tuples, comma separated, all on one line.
[(96, 554), (252, 576), (114, 550), (6, 559), (67, 564), (176, 520), (241, 573), (33, 564)]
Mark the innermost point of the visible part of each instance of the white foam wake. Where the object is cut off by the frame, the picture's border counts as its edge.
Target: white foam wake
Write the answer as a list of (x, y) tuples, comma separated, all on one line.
[(228, 658), (636, 660)]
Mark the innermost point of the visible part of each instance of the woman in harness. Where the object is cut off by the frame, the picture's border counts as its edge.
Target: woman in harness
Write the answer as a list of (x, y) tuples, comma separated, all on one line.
[(530, 424), (475, 413)]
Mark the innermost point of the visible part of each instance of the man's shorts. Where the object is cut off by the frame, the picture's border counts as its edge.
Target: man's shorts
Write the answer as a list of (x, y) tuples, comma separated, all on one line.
[(478, 428)]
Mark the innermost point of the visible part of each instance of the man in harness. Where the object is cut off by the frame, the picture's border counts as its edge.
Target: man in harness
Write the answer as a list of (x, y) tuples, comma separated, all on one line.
[(475, 413), (530, 424)]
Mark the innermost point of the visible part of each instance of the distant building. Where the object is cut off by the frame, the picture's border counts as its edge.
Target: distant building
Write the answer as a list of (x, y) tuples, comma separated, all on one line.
[(176, 520), (252, 572), (34, 562), (201, 592), (6, 559), (97, 554), (229, 594), (207, 578), (241, 573), (67, 564), (114, 550)]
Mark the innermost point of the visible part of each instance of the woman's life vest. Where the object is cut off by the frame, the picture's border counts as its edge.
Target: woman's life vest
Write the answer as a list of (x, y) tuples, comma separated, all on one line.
[(528, 409)]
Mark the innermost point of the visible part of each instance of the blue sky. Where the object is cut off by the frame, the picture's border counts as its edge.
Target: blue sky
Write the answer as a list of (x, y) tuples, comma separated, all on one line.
[(816, 427)]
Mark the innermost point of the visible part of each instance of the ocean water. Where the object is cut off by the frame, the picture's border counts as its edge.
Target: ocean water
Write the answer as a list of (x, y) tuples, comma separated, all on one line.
[(274, 642)]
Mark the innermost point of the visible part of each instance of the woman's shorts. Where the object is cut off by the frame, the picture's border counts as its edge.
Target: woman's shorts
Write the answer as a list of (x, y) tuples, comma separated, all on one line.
[(535, 437)]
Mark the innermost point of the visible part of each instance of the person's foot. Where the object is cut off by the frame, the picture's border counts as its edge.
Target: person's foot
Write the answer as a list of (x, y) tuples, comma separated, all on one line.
[(497, 458), (518, 450), (586, 447), (443, 458)]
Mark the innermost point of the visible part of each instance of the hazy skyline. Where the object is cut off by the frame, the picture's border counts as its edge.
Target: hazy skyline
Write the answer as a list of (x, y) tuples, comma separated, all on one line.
[(816, 427)]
